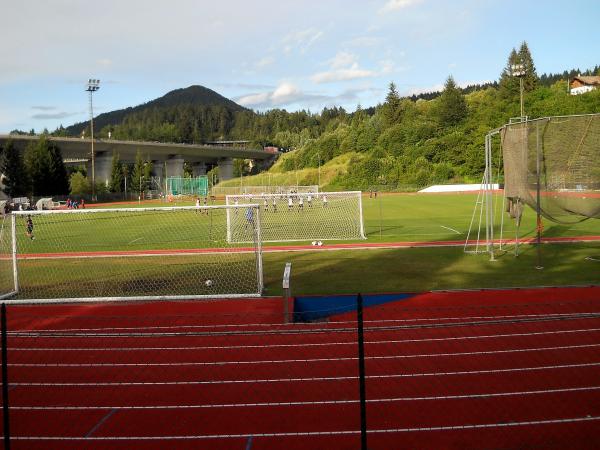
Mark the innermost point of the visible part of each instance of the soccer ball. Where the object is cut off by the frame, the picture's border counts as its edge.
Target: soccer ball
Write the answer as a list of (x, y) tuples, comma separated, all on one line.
[(319, 243), (314, 242), (208, 283)]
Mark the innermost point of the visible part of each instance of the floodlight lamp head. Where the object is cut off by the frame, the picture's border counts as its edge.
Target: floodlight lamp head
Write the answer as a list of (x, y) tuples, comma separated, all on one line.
[(93, 85), (517, 70)]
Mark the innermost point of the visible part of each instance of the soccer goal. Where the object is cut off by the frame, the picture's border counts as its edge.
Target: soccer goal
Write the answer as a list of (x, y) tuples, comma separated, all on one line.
[(551, 164), (134, 253), (300, 216)]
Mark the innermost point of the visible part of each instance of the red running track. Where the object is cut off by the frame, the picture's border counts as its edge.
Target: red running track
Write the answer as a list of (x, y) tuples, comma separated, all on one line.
[(485, 369)]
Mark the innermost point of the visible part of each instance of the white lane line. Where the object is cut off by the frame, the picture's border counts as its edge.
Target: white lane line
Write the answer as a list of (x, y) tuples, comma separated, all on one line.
[(135, 240), (310, 433), (25, 333), (316, 402), (313, 360), (308, 379), (451, 229), (302, 344)]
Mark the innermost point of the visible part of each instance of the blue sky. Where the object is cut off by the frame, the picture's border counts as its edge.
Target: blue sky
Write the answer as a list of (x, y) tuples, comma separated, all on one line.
[(270, 53)]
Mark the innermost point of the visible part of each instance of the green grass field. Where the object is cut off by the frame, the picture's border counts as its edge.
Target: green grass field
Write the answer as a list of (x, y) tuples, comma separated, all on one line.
[(388, 218)]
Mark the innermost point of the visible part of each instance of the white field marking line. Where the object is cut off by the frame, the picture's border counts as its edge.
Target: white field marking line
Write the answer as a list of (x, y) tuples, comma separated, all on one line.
[(299, 325), (135, 240), (315, 402), (308, 433), (308, 344), (287, 361), (309, 379), (451, 229), (275, 249)]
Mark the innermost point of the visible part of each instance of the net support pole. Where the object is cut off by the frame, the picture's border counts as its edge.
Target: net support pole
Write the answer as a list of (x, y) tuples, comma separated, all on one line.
[(489, 210), (362, 226), (13, 226), (538, 198), (5, 403), (259, 262), (361, 372)]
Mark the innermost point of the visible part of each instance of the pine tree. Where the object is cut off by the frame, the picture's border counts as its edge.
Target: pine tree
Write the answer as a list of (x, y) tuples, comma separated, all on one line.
[(15, 176), (452, 106), (137, 175), (116, 174), (37, 163), (57, 172), (530, 79), (509, 85), (392, 107)]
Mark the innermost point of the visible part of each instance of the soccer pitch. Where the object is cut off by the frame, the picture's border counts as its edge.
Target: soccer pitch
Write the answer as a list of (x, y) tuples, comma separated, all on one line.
[(387, 218)]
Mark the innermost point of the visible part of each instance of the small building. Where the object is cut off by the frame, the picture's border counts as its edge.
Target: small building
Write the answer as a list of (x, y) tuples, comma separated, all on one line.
[(582, 84)]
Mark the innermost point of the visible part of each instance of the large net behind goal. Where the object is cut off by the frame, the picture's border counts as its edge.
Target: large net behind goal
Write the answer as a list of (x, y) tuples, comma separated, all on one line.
[(554, 164), (300, 216), (143, 253)]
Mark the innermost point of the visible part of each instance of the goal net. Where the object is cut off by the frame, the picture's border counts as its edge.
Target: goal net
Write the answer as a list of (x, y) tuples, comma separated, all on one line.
[(136, 253), (300, 216), (554, 164), (7, 266), (268, 189)]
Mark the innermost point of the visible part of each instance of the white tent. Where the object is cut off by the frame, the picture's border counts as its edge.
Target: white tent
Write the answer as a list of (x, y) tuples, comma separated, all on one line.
[(44, 203)]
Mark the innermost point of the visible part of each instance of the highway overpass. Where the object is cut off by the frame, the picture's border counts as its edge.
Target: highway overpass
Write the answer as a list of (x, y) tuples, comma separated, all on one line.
[(166, 157)]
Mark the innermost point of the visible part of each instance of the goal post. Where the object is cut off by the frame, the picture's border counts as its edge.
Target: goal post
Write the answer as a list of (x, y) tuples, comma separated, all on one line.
[(135, 254), (9, 281), (301, 216)]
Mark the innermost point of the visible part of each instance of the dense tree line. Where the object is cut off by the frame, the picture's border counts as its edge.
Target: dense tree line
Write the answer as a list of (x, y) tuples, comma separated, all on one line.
[(39, 171)]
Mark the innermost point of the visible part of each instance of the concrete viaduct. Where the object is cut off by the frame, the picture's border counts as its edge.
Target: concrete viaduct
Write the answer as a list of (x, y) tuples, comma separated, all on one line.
[(78, 151)]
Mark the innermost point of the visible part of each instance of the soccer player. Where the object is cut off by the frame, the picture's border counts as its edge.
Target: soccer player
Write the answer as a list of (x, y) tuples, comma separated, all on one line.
[(324, 201), (290, 203), (29, 228), (249, 217), (300, 204), (274, 204), (309, 200), (235, 203), (198, 205), (266, 204)]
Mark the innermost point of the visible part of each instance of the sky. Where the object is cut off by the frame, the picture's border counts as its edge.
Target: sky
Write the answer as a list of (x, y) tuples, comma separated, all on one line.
[(267, 54)]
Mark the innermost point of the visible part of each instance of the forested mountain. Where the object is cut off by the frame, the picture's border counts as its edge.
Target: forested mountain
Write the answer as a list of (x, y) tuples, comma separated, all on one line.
[(194, 98)]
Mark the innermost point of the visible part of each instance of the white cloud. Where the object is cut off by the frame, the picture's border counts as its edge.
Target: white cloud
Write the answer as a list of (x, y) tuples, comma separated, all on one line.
[(346, 74), (395, 5), (288, 94), (301, 40), (344, 67), (104, 62), (343, 59), (284, 94), (365, 41), (264, 62)]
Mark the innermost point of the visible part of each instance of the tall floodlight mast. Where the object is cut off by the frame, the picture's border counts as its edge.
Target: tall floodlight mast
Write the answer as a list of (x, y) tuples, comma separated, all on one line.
[(92, 86), (518, 70)]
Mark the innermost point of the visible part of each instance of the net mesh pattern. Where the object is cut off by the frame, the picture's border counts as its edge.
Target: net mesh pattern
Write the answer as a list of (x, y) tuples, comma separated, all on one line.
[(562, 155), (164, 252), (301, 216)]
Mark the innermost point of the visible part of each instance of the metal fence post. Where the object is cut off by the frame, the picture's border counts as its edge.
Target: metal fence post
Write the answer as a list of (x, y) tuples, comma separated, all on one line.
[(361, 373), (286, 292), (5, 380)]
